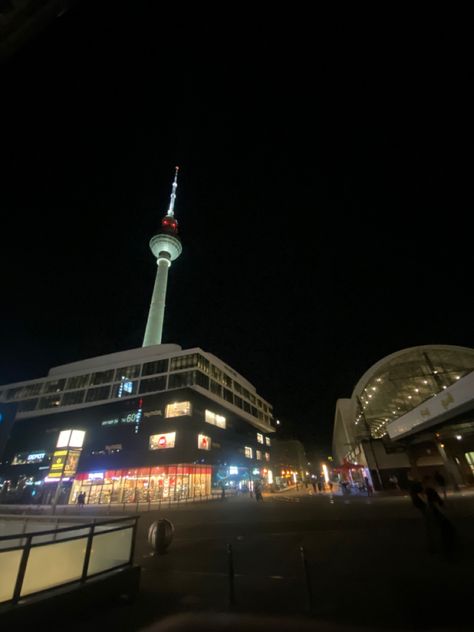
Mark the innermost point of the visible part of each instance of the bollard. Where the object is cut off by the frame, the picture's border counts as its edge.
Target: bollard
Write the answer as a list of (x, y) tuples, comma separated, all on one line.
[(307, 576), (230, 566), (160, 535)]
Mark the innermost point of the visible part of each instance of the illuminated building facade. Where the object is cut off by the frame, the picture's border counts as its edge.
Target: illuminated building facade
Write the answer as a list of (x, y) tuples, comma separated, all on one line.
[(160, 422), (411, 412)]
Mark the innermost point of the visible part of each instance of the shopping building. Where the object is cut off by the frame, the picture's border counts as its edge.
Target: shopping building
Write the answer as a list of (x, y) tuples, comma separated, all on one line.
[(160, 422), (143, 425), (412, 412)]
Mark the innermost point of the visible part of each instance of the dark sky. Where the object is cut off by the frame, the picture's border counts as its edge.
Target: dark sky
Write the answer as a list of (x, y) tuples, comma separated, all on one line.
[(324, 195)]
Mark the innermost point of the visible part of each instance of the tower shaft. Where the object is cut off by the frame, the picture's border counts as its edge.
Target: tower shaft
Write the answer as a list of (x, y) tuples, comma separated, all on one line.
[(156, 314)]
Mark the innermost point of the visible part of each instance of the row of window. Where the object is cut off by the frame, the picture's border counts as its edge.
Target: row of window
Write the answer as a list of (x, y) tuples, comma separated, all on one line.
[(127, 388), (167, 440), (248, 451), (124, 376)]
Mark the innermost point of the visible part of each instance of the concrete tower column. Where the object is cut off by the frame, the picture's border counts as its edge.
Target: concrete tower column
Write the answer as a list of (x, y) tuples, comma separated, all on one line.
[(156, 314), (166, 246)]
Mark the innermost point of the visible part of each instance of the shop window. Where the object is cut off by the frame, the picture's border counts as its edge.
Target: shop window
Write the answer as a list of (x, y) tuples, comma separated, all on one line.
[(204, 442), (162, 441), (178, 409), (214, 419)]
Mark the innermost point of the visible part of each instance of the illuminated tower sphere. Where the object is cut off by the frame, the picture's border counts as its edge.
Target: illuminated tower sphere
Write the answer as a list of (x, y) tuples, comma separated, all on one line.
[(166, 246)]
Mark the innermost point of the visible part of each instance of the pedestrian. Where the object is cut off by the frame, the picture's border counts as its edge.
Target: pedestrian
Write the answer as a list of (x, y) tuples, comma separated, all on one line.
[(313, 483), (222, 492), (258, 491), (81, 499), (368, 487), (442, 525), (440, 481)]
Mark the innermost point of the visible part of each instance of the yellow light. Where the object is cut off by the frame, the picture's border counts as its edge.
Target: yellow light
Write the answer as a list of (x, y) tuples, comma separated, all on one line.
[(325, 473)]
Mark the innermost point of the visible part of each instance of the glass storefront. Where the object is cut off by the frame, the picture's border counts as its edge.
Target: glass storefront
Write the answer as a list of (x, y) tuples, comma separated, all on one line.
[(144, 484)]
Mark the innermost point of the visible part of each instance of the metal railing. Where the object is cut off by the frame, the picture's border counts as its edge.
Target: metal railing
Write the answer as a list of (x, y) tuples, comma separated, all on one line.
[(40, 561)]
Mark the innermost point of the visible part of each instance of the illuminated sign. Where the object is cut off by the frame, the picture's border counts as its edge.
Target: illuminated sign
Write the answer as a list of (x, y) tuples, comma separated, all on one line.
[(63, 439), (58, 463), (34, 458), (204, 443), (233, 470), (71, 439), (93, 476), (131, 418), (72, 461), (162, 441)]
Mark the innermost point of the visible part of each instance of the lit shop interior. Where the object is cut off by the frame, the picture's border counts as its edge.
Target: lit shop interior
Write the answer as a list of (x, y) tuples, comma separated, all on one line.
[(144, 484)]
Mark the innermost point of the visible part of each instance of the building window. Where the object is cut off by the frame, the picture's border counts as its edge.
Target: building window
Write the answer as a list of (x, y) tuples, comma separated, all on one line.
[(127, 371), (259, 437), (102, 377), (26, 405), (159, 366), (153, 384), (227, 381), (258, 454), (96, 394), (228, 395), (248, 452), (238, 388), (80, 381), (238, 401), (178, 380), (184, 362), (267, 456), (246, 406), (204, 442), (216, 388), (77, 397), (49, 402), (162, 441), (267, 441), (215, 420), (201, 380), (178, 409), (54, 387)]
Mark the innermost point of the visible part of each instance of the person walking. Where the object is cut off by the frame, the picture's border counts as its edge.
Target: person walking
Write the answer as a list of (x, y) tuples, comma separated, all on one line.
[(442, 525), (258, 491), (440, 481), (368, 486)]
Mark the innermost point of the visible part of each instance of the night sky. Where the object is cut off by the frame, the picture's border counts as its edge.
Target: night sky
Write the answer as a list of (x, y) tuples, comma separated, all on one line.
[(323, 199)]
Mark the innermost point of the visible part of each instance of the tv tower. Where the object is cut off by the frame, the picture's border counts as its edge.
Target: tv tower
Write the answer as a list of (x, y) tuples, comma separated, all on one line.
[(166, 246)]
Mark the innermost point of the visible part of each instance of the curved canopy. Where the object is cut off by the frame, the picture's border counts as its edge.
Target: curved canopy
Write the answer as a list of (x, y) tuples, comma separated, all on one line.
[(403, 380)]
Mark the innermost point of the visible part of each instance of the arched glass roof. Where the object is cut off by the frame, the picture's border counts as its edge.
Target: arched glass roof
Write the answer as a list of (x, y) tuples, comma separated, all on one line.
[(400, 382)]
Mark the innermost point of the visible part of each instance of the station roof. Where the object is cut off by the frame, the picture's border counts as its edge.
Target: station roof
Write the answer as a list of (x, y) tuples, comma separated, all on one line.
[(403, 380)]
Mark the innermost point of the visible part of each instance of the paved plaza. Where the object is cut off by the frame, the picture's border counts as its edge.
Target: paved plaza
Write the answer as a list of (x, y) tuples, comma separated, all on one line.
[(367, 560)]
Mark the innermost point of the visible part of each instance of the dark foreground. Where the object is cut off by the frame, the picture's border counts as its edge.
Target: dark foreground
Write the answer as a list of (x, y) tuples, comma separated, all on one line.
[(368, 565)]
